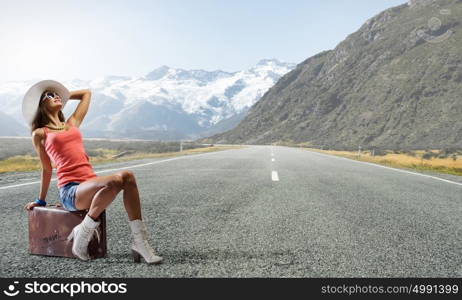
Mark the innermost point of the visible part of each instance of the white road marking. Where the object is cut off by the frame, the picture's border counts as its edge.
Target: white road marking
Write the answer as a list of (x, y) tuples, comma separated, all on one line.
[(274, 176), (380, 166), (116, 169)]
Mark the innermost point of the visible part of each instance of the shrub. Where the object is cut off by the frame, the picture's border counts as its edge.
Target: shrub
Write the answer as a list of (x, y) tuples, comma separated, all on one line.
[(410, 153), (379, 152), (429, 155)]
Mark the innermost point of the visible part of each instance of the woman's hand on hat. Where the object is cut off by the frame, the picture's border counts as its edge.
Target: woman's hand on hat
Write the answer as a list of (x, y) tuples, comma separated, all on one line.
[(30, 205)]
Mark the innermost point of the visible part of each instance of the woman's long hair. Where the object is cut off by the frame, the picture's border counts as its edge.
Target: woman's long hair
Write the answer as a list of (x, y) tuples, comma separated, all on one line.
[(41, 119)]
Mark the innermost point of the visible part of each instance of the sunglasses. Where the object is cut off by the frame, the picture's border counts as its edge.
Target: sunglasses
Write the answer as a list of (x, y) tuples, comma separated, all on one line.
[(49, 96)]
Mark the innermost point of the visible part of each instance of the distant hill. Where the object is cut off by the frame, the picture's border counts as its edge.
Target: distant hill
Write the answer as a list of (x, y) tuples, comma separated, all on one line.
[(395, 83), (9, 126)]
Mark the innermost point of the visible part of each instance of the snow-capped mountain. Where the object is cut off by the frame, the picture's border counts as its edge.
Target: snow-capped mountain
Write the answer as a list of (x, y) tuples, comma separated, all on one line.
[(167, 103)]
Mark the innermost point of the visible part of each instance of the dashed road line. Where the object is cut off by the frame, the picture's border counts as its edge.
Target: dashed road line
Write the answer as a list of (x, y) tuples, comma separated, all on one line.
[(274, 176)]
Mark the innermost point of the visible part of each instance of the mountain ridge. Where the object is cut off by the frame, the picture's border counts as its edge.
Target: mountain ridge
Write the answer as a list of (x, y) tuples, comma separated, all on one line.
[(199, 96), (394, 83)]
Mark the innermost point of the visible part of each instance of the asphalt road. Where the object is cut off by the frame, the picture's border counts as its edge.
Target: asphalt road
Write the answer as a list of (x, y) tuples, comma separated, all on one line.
[(239, 213)]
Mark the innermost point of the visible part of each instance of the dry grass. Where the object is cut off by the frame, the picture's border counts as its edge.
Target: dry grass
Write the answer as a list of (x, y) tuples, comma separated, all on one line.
[(19, 163), (401, 160), (22, 163)]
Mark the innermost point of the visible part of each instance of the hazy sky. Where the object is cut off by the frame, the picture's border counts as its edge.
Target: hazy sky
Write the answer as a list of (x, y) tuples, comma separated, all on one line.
[(87, 39)]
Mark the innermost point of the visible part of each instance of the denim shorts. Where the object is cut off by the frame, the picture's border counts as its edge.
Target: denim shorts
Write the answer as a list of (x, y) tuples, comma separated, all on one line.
[(67, 195)]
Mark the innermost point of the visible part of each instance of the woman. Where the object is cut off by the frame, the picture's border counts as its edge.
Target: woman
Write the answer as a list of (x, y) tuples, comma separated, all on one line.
[(60, 141)]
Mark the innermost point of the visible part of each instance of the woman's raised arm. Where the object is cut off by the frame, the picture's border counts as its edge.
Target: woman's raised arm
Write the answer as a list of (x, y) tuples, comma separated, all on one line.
[(81, 110)]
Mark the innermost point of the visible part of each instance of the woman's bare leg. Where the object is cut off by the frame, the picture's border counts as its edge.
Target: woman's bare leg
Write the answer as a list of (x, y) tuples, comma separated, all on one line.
[(131, 196), (96, 194)]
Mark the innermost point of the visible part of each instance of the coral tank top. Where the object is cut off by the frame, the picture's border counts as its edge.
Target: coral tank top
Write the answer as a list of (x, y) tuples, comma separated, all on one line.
[(65, 148)]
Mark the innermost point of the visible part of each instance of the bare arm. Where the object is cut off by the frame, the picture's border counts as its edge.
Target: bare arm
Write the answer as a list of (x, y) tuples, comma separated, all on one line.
[(47, 169), (81, 110)]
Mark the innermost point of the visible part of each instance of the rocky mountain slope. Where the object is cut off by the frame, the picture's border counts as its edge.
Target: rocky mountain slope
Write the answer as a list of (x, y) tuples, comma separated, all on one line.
[(395, 83)]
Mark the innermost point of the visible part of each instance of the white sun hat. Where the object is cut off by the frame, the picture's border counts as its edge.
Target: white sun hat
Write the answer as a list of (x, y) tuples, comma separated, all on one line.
[(31, 99)]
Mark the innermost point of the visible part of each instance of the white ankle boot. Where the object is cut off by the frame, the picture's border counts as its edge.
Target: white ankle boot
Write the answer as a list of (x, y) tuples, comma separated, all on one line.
[(140, 245), (82, 235)]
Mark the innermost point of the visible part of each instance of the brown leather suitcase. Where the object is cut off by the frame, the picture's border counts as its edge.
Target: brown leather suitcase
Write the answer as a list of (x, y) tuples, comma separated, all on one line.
[(49, 227)]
